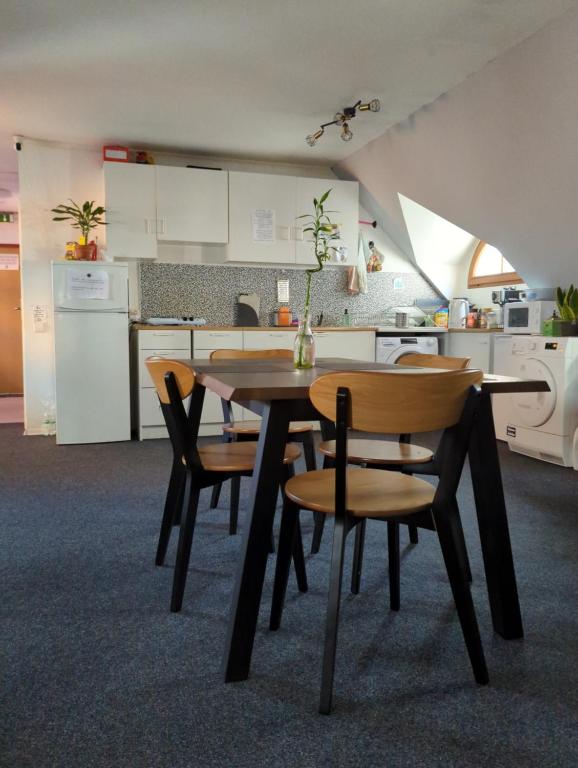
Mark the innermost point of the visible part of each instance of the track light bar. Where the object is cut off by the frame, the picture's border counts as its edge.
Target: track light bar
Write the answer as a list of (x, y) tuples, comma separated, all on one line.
[(342, 119)]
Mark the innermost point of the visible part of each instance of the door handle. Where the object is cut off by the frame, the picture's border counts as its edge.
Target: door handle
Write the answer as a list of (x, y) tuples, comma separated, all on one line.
[(16, 309)]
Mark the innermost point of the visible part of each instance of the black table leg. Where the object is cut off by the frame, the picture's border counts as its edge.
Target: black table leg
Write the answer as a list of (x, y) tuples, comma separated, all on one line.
[(493, 524), (267, 476)]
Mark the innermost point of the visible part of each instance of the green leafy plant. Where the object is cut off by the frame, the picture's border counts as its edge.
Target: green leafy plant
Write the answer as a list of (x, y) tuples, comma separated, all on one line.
[(323, 234), (567, 302), (86, 218)]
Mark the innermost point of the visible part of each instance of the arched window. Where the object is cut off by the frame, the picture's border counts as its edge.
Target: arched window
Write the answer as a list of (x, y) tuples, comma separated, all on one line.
[(489, 267)]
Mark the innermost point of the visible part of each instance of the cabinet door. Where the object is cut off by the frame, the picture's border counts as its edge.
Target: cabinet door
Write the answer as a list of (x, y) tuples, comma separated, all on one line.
[(269, 339), (473, 345), (343, 208), (353, 345), (250, 193), (130, 211), (192, 205)]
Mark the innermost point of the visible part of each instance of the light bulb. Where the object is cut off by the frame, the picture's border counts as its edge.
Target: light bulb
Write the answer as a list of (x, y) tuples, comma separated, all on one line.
[(312, 138), (346, 134), (375, 105)]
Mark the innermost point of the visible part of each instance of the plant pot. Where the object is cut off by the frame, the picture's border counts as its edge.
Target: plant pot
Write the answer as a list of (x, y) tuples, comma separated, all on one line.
[(564, 328), (85, 252)]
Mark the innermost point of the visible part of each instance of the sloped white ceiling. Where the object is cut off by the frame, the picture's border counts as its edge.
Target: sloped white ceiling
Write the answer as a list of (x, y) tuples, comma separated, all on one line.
[(497, 156), (240, 77)]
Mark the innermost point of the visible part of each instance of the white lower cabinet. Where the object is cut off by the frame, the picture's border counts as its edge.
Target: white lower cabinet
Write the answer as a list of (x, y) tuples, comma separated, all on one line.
[(268, 339), (477, 346), (179, 344), (353, 345), (204, 343), (147, 417)]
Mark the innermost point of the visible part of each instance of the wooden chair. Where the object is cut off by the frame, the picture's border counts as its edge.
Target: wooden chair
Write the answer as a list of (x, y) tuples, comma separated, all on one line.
[(248, 430), (386, 402), (204, 465), (387, 454)]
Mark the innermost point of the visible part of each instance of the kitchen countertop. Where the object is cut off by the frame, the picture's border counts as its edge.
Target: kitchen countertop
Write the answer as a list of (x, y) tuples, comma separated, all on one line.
[(146, 327), (475, 330)]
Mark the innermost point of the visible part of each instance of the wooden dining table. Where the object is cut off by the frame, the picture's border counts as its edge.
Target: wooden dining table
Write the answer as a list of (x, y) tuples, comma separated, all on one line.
[(279, 393)]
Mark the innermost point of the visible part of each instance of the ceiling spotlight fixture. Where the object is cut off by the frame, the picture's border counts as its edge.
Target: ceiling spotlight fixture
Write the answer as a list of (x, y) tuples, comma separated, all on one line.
[(346, 134), (342, 119)]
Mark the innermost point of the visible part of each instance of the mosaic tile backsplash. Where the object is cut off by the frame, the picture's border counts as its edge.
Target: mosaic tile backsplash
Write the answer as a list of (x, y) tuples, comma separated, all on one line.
[(210, 291)]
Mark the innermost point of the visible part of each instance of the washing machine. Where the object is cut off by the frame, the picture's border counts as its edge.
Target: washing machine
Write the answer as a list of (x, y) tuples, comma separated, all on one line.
[(389, 349), (503, 363), (545, 424)]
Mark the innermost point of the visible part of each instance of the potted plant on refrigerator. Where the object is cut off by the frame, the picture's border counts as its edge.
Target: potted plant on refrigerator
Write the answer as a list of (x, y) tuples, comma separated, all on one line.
[(83, 218), (323, 234)]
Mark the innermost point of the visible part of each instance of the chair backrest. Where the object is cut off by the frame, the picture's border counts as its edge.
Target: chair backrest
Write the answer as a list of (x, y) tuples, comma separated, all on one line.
[(174, 382), (158, 367), (252, 354), (392, 401), (434, 361)]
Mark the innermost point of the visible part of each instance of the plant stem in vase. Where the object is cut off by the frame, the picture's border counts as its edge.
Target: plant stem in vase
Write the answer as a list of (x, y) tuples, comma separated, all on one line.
[(323, 234)]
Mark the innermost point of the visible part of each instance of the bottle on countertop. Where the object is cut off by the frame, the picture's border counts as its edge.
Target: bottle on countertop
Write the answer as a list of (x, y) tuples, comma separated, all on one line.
[(346, 321)]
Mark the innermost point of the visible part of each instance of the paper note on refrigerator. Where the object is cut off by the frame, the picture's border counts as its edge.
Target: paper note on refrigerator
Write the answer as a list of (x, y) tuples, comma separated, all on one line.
[(87, 284), (263, 220)]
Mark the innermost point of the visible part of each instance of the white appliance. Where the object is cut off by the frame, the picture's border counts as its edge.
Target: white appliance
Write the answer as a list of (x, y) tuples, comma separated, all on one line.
[(527, 316), (389, 349), (91, 355), (503, 365), (458, 313), (545, 424)]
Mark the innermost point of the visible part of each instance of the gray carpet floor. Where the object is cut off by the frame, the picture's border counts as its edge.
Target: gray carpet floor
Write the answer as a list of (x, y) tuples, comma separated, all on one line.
[(95, 671)]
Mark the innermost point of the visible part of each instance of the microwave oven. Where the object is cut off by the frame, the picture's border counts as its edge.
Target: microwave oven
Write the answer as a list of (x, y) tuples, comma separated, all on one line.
[(527, 316)]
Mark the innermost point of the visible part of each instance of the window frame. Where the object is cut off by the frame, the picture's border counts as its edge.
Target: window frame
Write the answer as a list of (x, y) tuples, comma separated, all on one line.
[(482, 281)]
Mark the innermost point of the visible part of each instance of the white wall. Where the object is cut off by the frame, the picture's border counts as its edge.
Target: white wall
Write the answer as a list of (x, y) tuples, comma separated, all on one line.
[(48, 175), (497, 156)]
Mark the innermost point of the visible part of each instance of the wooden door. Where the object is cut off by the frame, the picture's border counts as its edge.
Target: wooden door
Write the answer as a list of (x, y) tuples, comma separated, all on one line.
[(10, 326)]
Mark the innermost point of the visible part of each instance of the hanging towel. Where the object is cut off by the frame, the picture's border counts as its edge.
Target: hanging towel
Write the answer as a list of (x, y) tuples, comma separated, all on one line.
[(362, 252)]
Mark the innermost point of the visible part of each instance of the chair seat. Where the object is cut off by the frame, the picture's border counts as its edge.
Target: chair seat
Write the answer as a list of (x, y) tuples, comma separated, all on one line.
[(254, 427), (237, 457), (370, 492), (380, 452)]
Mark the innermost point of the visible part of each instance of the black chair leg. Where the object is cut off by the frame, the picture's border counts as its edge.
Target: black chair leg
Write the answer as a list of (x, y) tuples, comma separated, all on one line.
[(465, 560), (234, 506), (448, 530), (215, 495), (289, 521), (319, 518), (309, 451), (394, 565), (413, 537), (332, 624), (184, 549), (299, 559), (358, 556), (172, 512)]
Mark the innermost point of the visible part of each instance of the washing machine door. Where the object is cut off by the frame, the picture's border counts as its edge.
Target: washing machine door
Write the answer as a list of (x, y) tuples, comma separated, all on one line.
[(532, 409), (411, 346)]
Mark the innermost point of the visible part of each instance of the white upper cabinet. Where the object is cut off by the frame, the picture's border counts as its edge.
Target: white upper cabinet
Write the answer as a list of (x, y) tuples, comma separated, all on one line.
[(256, 198), (130, 211), (342, 206), (252, 198), (191, 205)]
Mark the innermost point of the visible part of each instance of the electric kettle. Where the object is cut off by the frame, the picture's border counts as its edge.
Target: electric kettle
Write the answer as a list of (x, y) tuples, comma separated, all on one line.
[(458, 313)]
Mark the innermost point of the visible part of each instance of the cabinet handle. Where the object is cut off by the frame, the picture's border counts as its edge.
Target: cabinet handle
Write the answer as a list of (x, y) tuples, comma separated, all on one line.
[(161, 226)]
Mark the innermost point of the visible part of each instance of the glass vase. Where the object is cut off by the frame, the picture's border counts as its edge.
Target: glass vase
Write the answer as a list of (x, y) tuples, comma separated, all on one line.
[(304, 347)]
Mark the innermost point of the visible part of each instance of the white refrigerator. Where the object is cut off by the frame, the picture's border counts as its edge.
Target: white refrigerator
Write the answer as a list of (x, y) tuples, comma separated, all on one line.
[(91, 355)]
